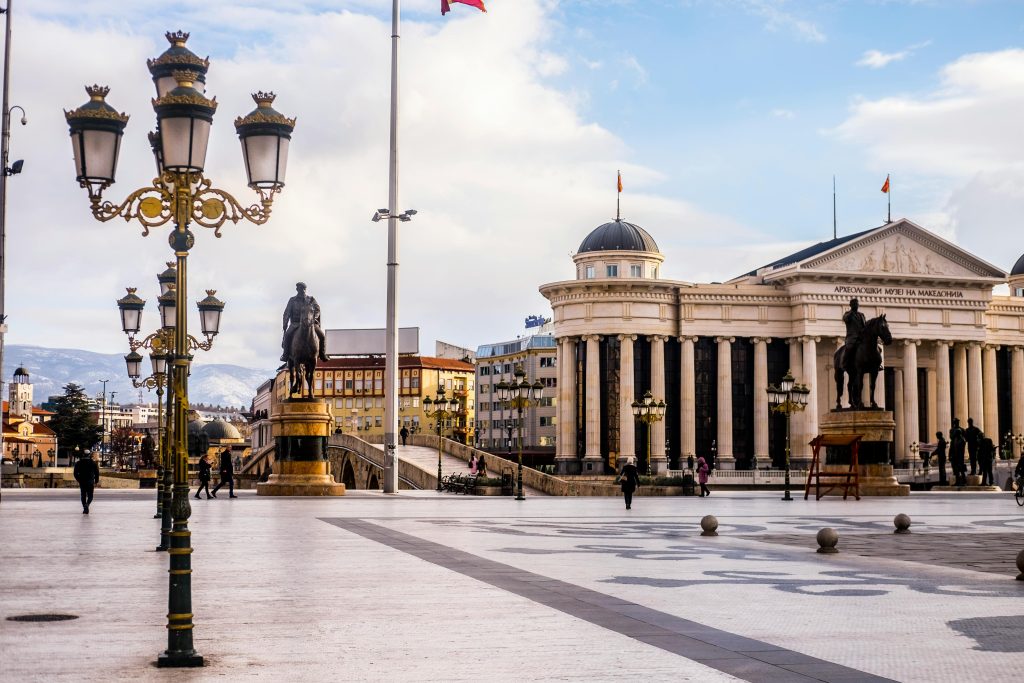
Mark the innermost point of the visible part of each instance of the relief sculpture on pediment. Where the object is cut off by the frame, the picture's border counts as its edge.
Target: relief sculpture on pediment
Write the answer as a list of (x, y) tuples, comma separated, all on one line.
[(898, 257)]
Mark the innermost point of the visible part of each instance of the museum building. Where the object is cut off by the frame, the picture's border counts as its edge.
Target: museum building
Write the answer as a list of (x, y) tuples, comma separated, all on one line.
[(711, 350)]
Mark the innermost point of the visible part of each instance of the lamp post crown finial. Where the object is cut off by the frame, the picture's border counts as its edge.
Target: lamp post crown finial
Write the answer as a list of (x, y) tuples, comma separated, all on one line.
[(97, 92), (177, 38), (263, 99)]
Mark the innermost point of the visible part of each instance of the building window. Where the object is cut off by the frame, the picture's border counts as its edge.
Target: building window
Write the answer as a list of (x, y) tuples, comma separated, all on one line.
[(415, 401), (654, 272), (348, 386), (636, 270), (590, 272), (416, 383), (548, 362), (547, 421), (612, 270)]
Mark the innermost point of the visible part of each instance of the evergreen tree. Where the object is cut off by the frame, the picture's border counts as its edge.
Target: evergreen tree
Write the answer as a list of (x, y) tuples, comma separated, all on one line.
[(73, 421)]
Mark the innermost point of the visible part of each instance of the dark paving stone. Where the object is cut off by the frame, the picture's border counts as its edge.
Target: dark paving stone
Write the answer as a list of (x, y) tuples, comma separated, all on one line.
[(737, 655)]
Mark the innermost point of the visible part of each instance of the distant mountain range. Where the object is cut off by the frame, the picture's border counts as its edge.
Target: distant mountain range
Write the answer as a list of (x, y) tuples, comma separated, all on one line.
[(50, 369)]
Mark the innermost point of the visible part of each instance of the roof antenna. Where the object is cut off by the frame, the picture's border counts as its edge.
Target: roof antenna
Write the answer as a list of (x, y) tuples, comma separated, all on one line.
[(834, 234)]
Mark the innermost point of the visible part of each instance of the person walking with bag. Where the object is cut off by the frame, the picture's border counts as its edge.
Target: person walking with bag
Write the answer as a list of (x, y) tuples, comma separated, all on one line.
[(87, 474), (940, 454), (629, 481), (205, 471), (702, 476), (227, 474)]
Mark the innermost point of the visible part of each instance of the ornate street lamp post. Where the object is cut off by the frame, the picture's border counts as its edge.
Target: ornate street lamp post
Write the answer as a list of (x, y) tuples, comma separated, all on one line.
[(440, 410), (788, 398), (648, 411), (180, 195), (520, 393)]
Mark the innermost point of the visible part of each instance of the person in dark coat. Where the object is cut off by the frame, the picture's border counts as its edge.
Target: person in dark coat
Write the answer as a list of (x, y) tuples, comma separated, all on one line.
[(702, 476), (940, 454), (205, 471), (227, 474), (972, 435), (404, 434), (629, 480), (957, 446), (986, 453), (87, 474), (481, 466)]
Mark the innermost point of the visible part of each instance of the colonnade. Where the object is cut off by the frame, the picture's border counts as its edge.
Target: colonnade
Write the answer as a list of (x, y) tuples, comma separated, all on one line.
[(973, 394)]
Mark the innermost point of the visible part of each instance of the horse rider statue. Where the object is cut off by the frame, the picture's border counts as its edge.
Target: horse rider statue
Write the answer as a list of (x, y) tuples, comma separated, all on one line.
[(292, 317), (855, 322)]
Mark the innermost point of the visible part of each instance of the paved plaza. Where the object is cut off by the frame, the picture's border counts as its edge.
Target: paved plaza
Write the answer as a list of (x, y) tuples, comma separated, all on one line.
[(423, 587)]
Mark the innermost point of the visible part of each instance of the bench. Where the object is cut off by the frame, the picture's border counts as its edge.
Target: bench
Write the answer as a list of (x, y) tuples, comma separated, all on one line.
[(459, 483)]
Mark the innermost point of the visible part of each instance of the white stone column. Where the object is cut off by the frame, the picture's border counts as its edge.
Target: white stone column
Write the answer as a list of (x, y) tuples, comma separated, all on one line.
[(627, 394), (726, 461), (659, 460), (932, 407), (899, 436), (565, 459), (1017, 393), (761, 399), (796, 425), (960, 388), (810, 353), (592, 458), (687, 399), (910, 397), (943, 399), (975, 394), (990, 395)]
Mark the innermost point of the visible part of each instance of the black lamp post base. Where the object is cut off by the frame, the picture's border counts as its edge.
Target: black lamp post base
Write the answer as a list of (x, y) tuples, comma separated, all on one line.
[(520, 497), (786, 497), (158, 515), (179, 659), (161, 548)]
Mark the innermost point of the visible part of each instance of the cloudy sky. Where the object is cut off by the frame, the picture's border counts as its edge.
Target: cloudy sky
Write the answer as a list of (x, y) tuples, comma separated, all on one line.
[(728, 119)]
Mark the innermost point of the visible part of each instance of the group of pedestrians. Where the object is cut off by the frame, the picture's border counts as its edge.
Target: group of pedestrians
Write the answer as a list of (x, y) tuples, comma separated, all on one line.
[(966, 446), (629, 479), (227, 475)]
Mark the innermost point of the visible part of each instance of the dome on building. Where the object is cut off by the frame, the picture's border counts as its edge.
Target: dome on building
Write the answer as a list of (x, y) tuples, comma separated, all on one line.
[(1018, 267), (22, 372), (195, 426), (618, 235), (219, 430)]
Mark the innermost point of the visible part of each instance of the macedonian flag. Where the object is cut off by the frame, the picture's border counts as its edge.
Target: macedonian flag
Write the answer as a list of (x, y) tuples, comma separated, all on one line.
[(446, 8), (885, 188)]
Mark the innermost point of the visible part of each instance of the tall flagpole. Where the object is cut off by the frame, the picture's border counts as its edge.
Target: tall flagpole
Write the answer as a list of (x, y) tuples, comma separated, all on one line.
[(391, 330), (5, 141), (834, 229), (618, 198), (888, 195)]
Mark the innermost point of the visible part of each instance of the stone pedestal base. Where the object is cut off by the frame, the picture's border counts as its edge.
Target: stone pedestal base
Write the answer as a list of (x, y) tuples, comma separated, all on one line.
[(876, 428), (878, 480), (301, 479), (966, 488)]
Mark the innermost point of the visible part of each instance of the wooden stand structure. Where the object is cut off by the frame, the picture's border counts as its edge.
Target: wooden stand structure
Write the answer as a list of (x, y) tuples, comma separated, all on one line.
[(834, 479)]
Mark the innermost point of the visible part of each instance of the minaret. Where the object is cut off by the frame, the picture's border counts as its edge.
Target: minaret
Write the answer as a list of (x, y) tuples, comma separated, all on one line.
[(20, 399)]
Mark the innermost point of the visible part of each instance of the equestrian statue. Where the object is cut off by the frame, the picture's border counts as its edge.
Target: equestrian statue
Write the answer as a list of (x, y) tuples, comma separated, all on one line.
[(860, 355), (304, 341)]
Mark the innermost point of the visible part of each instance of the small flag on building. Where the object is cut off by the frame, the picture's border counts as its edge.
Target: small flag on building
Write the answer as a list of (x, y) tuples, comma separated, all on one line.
[(885, 187), (446, 7), (620, 181)]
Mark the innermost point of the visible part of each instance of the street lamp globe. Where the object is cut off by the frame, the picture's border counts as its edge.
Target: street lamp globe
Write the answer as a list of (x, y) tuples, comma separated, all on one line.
[(184, 117), (131, 306), (265, 134), (168, 277), (210, 309), (502, 389), (177, 58), (168, 305), (787, 383), (159, 362), (96, 130), (134, 362)]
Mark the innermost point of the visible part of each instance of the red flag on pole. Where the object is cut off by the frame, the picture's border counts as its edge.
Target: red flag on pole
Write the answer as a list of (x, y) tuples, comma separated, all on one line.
[(446, 7), (885, 188), (620, 181)]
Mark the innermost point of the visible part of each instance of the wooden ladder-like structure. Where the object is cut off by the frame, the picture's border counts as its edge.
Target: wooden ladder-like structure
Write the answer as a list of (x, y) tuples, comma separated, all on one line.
[(846, 480)]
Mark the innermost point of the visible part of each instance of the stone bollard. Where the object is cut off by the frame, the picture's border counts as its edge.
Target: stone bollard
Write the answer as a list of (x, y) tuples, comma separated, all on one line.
[(827, 539), (902, 523), (1020, 565), (709, 524)]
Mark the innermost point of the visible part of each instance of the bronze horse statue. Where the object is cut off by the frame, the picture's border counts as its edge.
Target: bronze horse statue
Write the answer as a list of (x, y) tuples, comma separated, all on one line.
[(302, 355), (866, 359)]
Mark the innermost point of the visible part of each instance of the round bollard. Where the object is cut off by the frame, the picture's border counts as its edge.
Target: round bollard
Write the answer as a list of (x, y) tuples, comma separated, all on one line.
[(827, 539), (1020, 565), (902, 523), (709, 524)]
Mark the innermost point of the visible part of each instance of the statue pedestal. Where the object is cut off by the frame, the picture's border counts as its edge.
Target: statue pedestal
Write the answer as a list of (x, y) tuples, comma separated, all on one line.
[(876, 428), (300, 428)]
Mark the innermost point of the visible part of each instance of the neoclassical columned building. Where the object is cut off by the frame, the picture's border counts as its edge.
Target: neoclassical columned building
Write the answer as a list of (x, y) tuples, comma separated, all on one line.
[(711, 350)]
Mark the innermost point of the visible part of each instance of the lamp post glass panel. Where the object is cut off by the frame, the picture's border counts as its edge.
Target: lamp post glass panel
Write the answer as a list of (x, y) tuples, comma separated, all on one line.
[(440, 410), (788, 398), (648, 411), (519, 393), (180, 197)]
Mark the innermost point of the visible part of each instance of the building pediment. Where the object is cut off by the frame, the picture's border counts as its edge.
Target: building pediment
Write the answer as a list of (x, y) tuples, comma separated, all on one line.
[(899, 250)]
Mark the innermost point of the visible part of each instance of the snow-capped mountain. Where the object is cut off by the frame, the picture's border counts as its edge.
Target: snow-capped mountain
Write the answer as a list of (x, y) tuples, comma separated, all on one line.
[(50, 369)]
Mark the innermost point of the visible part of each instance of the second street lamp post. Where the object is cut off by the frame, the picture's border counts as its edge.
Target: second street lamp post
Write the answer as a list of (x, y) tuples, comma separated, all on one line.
[(440, 410), (157, 380), (520, 392), (648, 411), (788, 398), (180, 195)]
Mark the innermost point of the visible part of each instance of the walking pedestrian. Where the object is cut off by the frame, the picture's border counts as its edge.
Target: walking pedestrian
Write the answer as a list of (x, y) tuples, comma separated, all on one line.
[(986, 453), (629, 481), (481, 466), (205, 470), (940, 454), (957, 445), (472, 464), (404, 434), (972, 435), (87, 474), (702, 476), (227, 474)]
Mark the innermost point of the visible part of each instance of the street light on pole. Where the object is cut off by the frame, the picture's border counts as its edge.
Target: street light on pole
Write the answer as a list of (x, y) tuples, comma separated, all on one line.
[(648, 411), (788, 398), (440, 410), (520, 392), (180, 195)]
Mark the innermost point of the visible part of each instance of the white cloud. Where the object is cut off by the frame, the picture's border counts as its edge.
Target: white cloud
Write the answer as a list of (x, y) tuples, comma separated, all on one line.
[(634, 66), (778, 18), (783, 114), (875, 59)]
